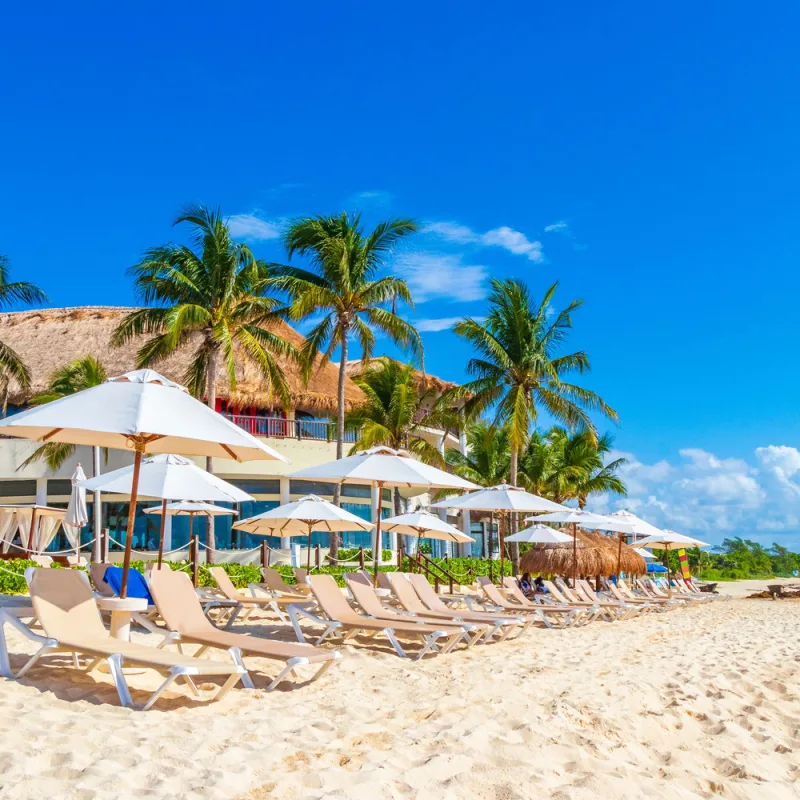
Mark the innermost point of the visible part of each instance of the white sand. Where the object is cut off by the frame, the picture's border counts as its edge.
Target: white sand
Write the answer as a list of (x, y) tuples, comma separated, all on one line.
[(701, 702)]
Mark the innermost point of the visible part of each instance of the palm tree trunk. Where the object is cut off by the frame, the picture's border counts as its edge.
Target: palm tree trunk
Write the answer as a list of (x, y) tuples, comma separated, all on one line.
[(337, 489), (211, 400), (513, 547)]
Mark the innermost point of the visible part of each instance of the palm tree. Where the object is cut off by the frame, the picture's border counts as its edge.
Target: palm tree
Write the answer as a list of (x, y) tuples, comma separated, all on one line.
[(517, 370), (595, 476), (392, 415), (83, 373), (215, 290), (12, 367), (486, 461), (344, 288)]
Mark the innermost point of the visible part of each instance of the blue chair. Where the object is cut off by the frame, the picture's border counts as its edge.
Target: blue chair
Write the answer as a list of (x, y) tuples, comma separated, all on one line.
[(137, 586)]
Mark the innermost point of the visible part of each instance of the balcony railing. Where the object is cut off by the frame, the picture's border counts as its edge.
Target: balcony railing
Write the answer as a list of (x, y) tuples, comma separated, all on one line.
[(279, 428)]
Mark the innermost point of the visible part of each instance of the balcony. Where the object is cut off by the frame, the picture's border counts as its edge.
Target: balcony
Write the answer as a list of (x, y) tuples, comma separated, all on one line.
[(279, 428)]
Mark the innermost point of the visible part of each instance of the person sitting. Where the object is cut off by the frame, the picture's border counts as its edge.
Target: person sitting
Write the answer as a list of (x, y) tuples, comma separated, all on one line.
[(538, 585), (525, 584)]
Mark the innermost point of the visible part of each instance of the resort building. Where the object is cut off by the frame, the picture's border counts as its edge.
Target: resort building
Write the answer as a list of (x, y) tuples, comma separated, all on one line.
[(305, 433)]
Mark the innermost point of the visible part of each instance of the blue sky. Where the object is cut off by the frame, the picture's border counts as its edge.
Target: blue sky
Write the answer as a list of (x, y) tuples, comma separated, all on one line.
[(643, 156)]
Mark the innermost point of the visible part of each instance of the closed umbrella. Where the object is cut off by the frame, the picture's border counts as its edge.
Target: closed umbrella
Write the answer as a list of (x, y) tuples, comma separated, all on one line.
[(302, 517), (504, 499), (144, 412), (169, 477), (383, 467), (77, 515)]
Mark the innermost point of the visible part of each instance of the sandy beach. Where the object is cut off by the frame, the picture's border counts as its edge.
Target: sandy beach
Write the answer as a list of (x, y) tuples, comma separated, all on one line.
[(702, 702)]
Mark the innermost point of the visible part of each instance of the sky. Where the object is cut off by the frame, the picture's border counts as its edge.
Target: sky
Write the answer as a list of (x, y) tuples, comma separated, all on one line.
[(644, 156)]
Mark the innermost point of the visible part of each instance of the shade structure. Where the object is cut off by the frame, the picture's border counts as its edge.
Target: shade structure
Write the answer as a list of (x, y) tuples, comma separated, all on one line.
[(36, 525), (140, 411), (77, 514), (574, 517), (669, 540), (422, 523), (597, 554), (188, 508), (169, 477), (640, 527), (540, 534), (383, 467), (302, 517), (504, 499)]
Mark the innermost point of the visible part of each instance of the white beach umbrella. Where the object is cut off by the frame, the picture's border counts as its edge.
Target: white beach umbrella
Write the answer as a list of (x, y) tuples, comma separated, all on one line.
[(666, 540), (504, 499), (186, 508), (383, 467), (540, 534), (302, 517), (422, 523), (168, 477), (140, 411), (640, 527), (77, 514)]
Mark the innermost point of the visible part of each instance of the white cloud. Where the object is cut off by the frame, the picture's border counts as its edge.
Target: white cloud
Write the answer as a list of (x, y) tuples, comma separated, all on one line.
[(712, 497), (253, 228), (441, 275), (371, 197), (509, 239), (557, 227), (435, 325)]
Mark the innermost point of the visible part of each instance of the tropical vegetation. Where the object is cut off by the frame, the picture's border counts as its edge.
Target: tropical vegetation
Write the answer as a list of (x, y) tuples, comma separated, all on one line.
[(12, 368), (519, 369), (83, 373), (344, 288)]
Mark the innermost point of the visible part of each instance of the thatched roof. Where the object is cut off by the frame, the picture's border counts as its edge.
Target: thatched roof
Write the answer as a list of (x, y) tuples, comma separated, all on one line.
[(423, 381), (597, 555), (47, 339)]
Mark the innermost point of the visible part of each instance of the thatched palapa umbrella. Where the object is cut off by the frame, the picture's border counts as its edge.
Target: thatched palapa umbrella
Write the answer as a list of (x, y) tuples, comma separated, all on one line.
[(593, 553)]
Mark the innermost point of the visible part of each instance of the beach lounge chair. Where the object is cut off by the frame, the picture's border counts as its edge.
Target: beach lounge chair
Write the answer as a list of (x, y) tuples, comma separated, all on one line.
[(615, 592), (629, 610), (274, 582), (409, 598), (65, 608), (514, 595), (555, 596), (301, 576), (564, 616), (650, 588), (664, 603), (682, 590), (339, 617), (181, 611), (609, 611), (97, 572), (250, 603)]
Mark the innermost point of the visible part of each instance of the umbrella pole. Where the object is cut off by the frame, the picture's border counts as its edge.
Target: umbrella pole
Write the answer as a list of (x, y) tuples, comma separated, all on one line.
[(669, 583), (126, 564), (619, 556), (308, 563), (377, 549), (161, 534), (502, 545), (574, 555), (30, 535)]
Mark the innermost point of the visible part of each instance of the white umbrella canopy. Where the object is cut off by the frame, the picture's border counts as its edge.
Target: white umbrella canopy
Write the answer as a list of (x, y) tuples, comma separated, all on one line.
[(382, 466), (539, 534), (77, 514), (422, 523), (172, 477), (186, 508), (140, 411), (640, 526), (502, 497), (666, 539), (302, 517)]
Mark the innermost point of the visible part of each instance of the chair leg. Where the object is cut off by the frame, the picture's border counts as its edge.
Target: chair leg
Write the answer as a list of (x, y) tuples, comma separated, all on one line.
[(115, 668), (236, 656), (389, 633)]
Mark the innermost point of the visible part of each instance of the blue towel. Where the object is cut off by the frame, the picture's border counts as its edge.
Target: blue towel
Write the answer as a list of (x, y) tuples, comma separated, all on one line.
[(137, 586)]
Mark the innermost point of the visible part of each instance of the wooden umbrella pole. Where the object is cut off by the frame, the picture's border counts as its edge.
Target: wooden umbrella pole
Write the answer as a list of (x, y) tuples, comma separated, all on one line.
[(308, 563), (377, 548), (669, 583), (619, 556), (126, 563), (502, 545), (33, 528), (161, 534)]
